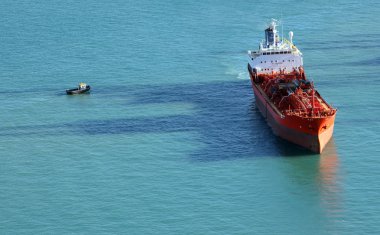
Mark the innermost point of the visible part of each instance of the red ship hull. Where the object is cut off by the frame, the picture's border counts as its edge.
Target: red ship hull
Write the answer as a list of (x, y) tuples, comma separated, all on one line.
[(312, 133)]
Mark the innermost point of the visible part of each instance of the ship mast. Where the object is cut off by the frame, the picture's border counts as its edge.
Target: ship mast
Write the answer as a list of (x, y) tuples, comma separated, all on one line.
[(312, 99)]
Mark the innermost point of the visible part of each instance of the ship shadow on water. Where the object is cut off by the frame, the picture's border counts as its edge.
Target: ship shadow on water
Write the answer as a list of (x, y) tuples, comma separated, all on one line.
[(226, 119), (228, 125)]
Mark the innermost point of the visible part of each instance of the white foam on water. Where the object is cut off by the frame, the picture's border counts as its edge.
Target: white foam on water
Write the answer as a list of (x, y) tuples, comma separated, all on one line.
[(243, 76), (237, 72)]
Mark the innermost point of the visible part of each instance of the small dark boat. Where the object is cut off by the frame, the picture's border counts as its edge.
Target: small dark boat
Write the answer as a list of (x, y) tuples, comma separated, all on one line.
[(81, 89)]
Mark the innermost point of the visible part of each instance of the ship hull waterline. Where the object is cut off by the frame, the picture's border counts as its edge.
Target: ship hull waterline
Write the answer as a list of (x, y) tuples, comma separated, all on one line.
[(292, 128)]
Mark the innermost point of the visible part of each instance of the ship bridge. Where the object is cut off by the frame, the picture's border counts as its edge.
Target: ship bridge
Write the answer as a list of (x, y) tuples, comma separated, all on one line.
[(275, 54)]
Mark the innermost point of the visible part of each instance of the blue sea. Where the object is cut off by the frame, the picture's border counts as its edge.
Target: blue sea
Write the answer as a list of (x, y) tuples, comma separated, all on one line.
[(170, 140)]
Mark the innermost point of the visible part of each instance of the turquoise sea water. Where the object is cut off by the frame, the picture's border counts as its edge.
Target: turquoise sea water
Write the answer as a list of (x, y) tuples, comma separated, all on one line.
[(170, 141)]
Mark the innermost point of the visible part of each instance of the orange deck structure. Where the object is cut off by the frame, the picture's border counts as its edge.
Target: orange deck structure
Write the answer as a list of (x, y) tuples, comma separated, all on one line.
[(293, 108)]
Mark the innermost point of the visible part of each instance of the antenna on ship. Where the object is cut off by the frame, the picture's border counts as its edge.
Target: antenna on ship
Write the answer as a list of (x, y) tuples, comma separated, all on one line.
[(282, 32), (282, 29)]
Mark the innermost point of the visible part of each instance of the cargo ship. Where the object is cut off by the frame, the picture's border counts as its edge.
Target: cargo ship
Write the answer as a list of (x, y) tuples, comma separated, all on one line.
[(288, 101)]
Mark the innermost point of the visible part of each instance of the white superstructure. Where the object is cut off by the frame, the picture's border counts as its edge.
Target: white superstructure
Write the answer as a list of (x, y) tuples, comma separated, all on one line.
[(275, 54)]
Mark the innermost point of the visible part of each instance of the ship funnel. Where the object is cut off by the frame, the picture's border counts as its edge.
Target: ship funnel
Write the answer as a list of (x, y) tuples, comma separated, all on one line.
[(291, 37)]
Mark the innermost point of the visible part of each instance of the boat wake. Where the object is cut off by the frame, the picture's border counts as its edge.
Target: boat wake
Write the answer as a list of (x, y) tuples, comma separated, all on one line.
[(237, 73)]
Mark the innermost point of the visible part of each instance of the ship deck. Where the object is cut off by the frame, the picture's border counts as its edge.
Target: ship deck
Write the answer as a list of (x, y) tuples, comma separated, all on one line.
[(312, 103)]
